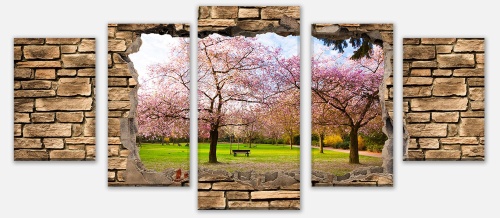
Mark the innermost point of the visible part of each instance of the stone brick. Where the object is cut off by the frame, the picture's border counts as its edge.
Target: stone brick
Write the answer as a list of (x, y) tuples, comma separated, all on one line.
[(118, 94), (228, 186), (475, 82), (33, 93), (234, 195), (418, 117), (469, 72), (76, 130), (53, 143), (417, 91), (277, 12), (17, 85), (476, 94), (421, 72), (439, 104), (22, 118), (17, 53), (90, 152), (428, 143), (224, 12), (452, 130), (90, 114), (449, 87), (285, 204), (23, 73), (29, 41), (118, 59), (113, 127), (472, 114), (66, 72), (477, 105), (124, 153), (42, 117), (459, 140), (417, 81), (119, 105), (39, 64), (444, 49), (445, 117), (31, 155), (117, 82), (411, 41), (452, 147), (427, 130), (111, 176), (466, 45), (120, 176), (480, 58), (132, 82), (27, 143), (47, 130), (87, 45), (419, 52), (68, 49), (211, 200), (64, 104), (202, 186), (69, 117), (74, 87), (114, 141), (45, 74), (124, 35), (36, 84), (442, 155), (472, 151), (135, 27), (76, 147), (90, 72), (424, 64), (63, 41), (455, 60), (412, 144), (89, 127), (67, 155), (254, 25), (387, 37), (216, 22), (265, 195), (43, 52), (248, 205), (114, 151), (438, 41), (471, 127), (80, 140), (119, 72), (78, 60), (248, 13), (204, 12), (17, 129), (23, 105)]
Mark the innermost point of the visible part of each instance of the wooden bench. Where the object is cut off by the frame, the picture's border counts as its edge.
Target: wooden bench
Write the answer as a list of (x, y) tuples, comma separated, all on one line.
[(246, 152)]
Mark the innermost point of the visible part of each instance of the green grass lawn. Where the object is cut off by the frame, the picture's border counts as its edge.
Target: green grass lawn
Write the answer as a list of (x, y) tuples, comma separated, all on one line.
[(338, 163), (263, 157), (160, 157)]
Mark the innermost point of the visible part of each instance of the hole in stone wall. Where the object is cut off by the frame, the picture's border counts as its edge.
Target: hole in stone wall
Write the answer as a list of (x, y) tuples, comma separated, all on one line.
[(162, 114), (249, 104)]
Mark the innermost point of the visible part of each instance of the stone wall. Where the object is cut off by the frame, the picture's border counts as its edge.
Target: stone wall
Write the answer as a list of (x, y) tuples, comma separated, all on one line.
[(222, 190), (443, 98), (124, 165), (228, 190), (54, 103), (371, 176)]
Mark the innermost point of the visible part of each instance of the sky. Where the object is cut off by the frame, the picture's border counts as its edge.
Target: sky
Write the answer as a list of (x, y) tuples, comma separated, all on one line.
[(318, 45)]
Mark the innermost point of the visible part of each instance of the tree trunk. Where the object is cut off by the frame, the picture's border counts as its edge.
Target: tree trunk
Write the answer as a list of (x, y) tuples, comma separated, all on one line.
[(291, 142), (354, 154), (214, 136), (321, 136)]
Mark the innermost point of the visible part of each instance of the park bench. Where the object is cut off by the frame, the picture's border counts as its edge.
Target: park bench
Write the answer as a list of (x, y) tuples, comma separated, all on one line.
[(246, 152)]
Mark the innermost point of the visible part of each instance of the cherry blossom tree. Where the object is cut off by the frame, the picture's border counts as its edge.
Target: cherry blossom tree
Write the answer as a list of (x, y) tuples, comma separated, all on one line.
[(163, 96), (351, 87)]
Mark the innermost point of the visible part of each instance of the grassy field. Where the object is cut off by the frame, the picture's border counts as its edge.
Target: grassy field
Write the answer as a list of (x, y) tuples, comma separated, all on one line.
[(338, 163), (160, 157), (263, 157)]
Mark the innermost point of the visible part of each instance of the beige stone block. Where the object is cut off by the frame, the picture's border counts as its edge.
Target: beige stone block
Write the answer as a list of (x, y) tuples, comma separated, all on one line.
[(64, 104), (439, 104), (67, 155), (63, 41), (427, 130), (31, 155), (428, 143), (445, 117), (455, 60), (69, 117), (469, 45), (41, 52), (78, 60), (27, 143), (248, 13), (449, 87), (45, 74), (277, 12), (438, 41), (47, 130), (421, 52), (53, 143), (471, 127), (87, 45), (42, 117)]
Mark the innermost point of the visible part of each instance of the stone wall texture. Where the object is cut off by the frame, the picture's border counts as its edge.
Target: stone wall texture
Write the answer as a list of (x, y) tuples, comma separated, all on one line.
[(54, 103), (443, 98), (230, 192), (366, 176), (124, 165)]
